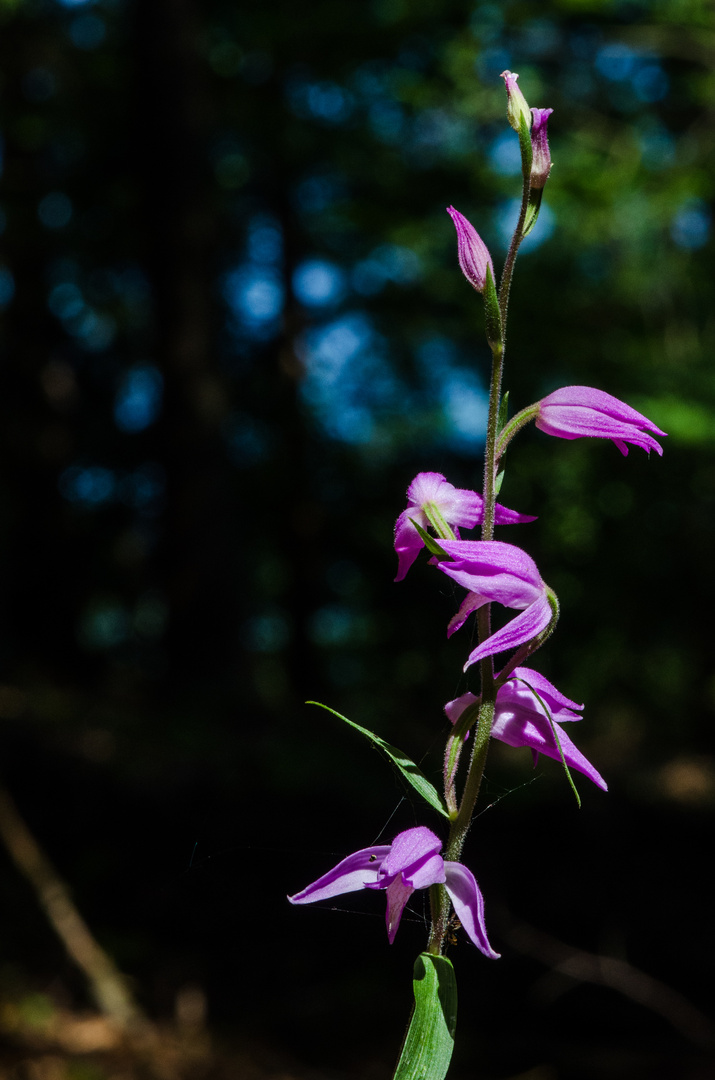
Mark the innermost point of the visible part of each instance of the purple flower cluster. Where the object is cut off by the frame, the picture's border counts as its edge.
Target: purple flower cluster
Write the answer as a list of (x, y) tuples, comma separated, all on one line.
[(528, 710), (412, 861)]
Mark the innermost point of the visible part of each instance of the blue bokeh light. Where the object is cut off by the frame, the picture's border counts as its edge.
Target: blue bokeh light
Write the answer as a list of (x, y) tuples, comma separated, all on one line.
[(256, 296), (651, 83), (507, 215), (138, 401), (387, 121), (94, 486), (347, 379), (616, 61), (691, 225), (7, 286), (388, 262), (55, 210), (324, 100), (66, 300), (462, 397), (491, 62), (318, 283), (265, 241), (88, 485), (504, 154)]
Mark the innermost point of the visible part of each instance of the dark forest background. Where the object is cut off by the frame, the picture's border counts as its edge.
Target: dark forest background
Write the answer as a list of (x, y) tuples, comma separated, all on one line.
[(233, 328)]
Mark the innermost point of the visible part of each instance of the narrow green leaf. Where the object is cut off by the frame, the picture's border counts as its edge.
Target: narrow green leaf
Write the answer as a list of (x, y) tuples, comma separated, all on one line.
[(492, 313), (406, 765), (527, 153), (428, 1046), (532, 210), (503, 411), (429, 541)]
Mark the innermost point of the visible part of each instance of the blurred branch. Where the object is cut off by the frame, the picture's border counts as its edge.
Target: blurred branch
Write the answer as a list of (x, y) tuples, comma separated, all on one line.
[(616, 974), (108, 985)]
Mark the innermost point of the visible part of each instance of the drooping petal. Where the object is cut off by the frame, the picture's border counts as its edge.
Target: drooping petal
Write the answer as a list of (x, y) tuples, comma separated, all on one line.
[(468, 903), (519, 688), (575, 412), (357, 871), (504, 516), (516, 632), (522, 727), (493, 570), (472, 602), (397, 896), (408, 542), (413, 863)]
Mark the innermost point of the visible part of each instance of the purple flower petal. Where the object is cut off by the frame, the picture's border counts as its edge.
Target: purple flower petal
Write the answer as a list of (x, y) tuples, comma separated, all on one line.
[(520, 719), (504, 516), (468, 904), (458, 507), (397, 896), (493, 570), (356, 872), (473, 254), (517, 632), (562, 708), (541, 158), (472, 602), (454, 709), (414, 854), (575, 412), (412, 861), (519, 728)]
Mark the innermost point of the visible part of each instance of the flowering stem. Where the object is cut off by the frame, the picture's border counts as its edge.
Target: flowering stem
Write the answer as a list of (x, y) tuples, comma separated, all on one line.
[(526, 160), (482, 730), (515, 424)]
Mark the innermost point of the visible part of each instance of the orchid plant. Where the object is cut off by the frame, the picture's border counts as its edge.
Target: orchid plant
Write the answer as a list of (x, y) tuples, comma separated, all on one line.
[(515, 704)]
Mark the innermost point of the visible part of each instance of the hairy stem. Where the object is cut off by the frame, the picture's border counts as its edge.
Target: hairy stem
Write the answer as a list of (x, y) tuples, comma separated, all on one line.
[(482, 731)]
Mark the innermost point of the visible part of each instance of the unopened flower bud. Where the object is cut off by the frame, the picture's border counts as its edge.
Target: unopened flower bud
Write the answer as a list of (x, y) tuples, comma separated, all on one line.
[(541, 160), (516, 106), (474, 258)]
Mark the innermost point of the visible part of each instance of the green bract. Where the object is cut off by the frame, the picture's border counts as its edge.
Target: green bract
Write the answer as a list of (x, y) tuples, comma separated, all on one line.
[(406, 765)]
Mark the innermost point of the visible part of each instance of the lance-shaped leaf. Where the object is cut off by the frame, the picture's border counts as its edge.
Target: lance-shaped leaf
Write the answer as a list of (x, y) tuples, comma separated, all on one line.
[(411, 772), (428, 1046)]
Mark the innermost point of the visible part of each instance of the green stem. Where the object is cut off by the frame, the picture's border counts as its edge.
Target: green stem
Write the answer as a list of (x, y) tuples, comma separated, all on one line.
[(505, 284), (517, 422), (482, 730)]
